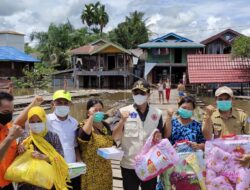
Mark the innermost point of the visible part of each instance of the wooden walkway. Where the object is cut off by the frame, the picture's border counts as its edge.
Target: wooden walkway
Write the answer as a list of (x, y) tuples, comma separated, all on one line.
[(154, 101)]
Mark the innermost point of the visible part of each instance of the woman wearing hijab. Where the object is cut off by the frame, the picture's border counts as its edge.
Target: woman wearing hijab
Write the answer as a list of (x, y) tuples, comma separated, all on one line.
[(46, 146), (94, 133)]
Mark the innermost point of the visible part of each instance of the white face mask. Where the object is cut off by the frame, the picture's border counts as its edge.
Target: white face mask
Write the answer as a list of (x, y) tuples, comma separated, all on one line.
[(62, 111), (37, 127), (140, 99)]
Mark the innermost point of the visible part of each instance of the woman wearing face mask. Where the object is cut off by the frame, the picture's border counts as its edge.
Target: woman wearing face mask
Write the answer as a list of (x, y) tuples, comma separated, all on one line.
[(47, 146), (184, 127), (93, 134)]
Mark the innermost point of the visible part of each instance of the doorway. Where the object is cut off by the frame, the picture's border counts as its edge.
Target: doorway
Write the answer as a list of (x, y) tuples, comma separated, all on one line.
[(178, 55), (111, 62)]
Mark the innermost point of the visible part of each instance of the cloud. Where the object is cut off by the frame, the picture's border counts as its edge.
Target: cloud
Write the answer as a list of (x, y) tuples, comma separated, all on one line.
[(8, 7), (193, 19), (246, 32)]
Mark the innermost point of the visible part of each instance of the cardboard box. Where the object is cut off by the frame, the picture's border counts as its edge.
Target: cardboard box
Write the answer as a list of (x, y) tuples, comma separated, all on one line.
[(76, 169), (111, 153)]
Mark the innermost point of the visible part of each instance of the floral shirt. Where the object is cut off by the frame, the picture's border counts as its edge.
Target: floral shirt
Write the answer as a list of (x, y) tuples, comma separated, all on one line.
[(191, 132)]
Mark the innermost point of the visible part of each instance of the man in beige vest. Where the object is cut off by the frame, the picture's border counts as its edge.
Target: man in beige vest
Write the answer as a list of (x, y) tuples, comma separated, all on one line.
[(225, 119), (132, 126)]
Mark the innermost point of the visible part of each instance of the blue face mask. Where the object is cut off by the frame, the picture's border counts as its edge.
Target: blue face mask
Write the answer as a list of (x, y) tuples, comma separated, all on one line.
[(98, 117), (184, 113), (224, 105)]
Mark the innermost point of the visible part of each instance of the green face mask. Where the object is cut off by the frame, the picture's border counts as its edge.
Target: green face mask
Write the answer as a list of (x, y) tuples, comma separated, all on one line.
[(224, 105), (98, 117)]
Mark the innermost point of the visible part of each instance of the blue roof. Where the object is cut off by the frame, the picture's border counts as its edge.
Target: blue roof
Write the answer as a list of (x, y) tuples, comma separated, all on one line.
[(171, 40), (177, 37), (12, 54)]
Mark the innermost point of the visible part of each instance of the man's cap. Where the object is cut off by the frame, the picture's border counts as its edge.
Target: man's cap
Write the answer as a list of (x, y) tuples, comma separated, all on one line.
[(141, 85), (224, 90), (62, 94)]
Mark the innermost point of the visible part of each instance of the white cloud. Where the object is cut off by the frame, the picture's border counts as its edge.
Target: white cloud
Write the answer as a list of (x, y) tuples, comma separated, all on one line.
[(194, 19), (246, 32)]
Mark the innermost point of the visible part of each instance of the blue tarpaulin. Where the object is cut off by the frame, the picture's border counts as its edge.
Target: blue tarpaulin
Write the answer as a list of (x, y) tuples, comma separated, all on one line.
[(12, 54)]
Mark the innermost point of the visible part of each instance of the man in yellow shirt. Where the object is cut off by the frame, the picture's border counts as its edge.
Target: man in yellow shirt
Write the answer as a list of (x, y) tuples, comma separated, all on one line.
[(226, 119)]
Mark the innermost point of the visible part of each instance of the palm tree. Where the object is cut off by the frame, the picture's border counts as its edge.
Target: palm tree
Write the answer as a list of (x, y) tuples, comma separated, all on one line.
[(95, 15), (87, 15), (103, 18)]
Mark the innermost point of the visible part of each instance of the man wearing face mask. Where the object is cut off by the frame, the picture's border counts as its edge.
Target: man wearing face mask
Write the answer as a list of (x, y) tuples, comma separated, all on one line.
[(132, 126), (226, 119), (65, 126), (8, 134)]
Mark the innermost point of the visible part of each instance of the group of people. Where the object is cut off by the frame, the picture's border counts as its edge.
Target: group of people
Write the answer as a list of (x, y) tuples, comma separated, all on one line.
[(59, 139), (164, 86)]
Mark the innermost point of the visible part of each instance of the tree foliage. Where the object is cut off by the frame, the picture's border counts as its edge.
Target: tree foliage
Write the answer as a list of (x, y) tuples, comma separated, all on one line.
[(241, 47), (132, 32), (38, 77), (55, 44), (95, 17)]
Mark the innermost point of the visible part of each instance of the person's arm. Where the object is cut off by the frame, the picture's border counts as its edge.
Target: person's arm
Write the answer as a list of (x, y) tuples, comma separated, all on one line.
[(197, 146), (207, 126), (14, 132), (168, 123), (118, 128), (246, 124), (78, 155), (160, 126), (22, 117), (88, 125)]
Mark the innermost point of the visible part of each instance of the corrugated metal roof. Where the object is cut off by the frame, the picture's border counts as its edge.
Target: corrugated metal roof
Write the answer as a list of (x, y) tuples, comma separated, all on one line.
[(96, 47), (11, 32), (171, 44), (218, 69), (12, 54)]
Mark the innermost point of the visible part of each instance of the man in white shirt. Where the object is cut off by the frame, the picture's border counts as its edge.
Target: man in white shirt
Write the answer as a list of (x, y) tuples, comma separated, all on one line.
[(65, 126)]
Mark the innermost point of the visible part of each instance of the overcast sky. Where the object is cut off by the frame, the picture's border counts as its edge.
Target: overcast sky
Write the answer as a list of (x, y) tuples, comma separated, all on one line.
[(194, 19)]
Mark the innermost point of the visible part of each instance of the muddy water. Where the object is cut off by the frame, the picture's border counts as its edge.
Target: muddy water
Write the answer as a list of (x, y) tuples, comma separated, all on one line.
[(242, 104), (78, 109)]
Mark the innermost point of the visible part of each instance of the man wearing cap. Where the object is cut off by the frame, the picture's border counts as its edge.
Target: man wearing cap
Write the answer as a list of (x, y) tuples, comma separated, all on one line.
[(225, 119), (132, 126), (65, 126)]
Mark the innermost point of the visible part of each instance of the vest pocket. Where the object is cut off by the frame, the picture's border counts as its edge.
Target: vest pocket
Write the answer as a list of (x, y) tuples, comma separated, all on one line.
[(131, 129)]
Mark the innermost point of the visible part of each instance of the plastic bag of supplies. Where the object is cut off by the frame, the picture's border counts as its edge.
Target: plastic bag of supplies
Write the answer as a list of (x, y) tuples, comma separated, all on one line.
[(29, 170)]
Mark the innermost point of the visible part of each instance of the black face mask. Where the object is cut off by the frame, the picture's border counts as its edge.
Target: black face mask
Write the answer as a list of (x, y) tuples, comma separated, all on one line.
[(5, 118)]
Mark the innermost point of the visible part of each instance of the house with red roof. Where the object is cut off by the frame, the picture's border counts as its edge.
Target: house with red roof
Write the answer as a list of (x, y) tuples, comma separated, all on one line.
[(217, 65)]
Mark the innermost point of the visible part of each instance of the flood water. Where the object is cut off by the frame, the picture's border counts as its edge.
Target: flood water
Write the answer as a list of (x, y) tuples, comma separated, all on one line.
[(78, 109), (242, 104)]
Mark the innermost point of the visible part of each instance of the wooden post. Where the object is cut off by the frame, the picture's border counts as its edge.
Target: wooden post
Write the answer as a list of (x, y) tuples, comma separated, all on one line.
[(170, 73), (75, 72), (124, 61), (99, 81), (99, 61), (89, 82), (124, 82)]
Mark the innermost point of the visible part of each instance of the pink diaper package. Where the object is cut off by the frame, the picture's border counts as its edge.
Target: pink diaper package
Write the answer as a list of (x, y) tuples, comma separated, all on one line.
[(222, 170), (155, 158)]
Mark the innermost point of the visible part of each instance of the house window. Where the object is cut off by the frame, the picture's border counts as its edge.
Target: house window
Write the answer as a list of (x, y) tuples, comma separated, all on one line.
[(164, 51), (120, 61)]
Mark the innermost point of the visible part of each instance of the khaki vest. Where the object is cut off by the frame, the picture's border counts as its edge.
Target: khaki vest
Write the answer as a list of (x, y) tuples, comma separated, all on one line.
[(136, 133)]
